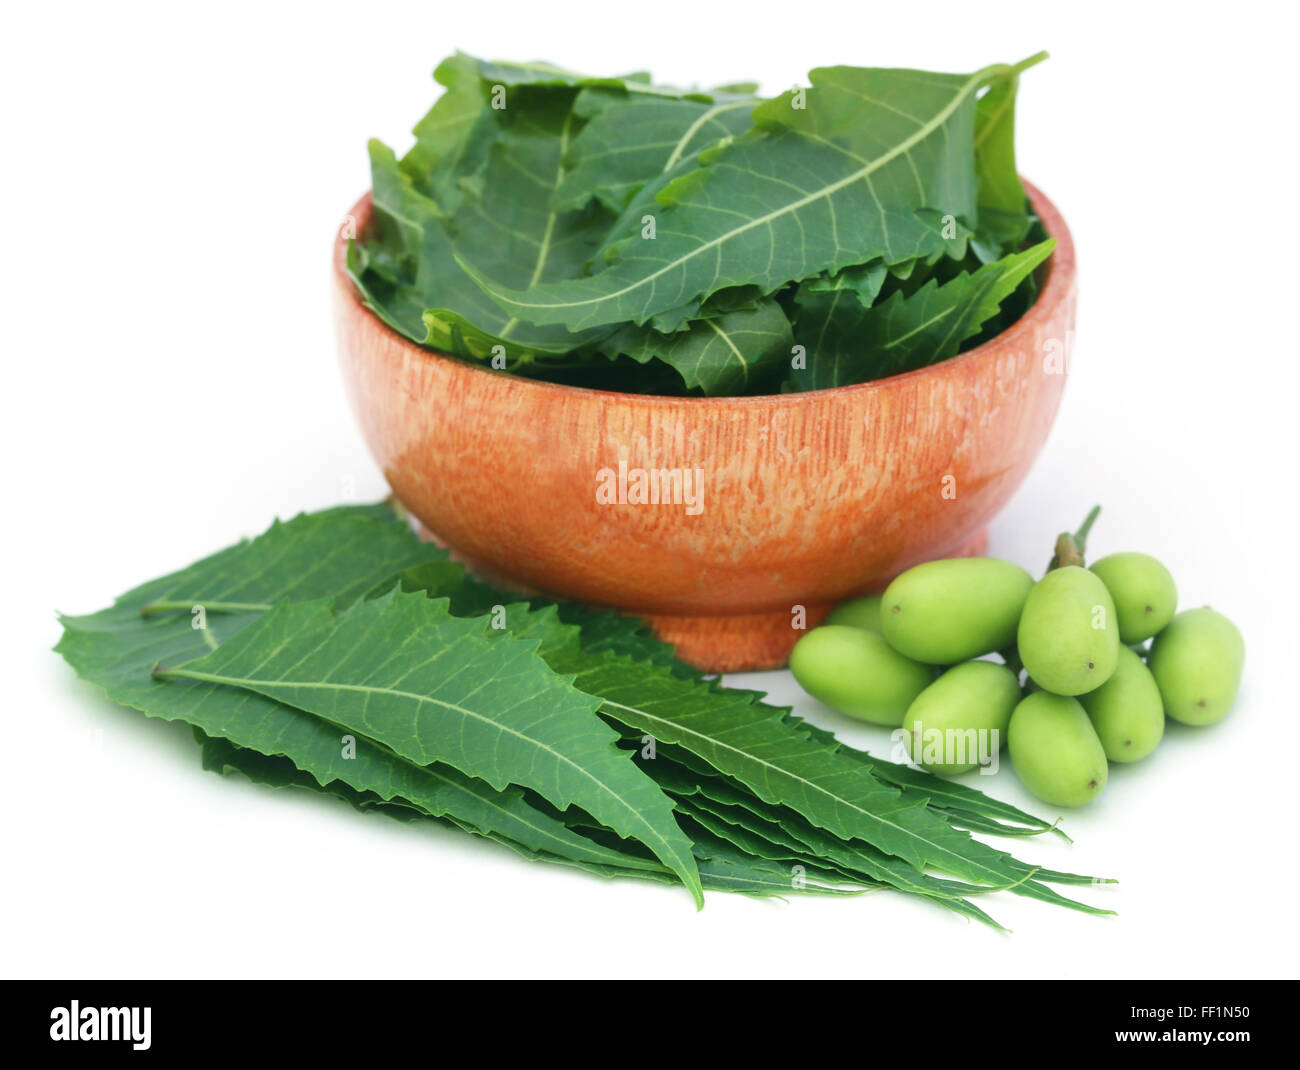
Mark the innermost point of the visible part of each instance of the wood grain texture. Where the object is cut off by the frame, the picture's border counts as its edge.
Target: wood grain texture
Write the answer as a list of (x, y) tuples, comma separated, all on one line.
[(808, 498)]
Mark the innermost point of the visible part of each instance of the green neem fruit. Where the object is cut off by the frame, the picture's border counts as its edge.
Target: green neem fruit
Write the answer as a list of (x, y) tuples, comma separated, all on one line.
[(860, 613), (961, 718), (944, 612), (1068, 639), (1126, 710), (1197, 664), (855, 671), (1055, 750), (1143, 590)]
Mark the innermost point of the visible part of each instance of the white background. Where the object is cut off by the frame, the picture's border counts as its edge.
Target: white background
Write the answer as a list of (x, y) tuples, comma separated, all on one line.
[(172, 182)]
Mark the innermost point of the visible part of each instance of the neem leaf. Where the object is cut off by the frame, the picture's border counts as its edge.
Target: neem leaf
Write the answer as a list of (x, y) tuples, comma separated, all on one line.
[(445, 142), (822, 309), (395, 300), (220, 756), (726, 354), (454, 138), (728, 738), (724, 868), (862, 280), (962, 806), (854, 344), (338, 552), (1003, 219), (436, 791), (526, 178), (945, 793), (481, 183), (775, 832), (782, 760), (385, 261), (410, 211), (631, 138), (602, 630), (764, 839), (269, 728), (504, 73), (729, 870), (435, 688), (750, 742), (832, 176), (783, 826), (597, 630), (525, 240), (605, 636), (510, 231), (721, 868)]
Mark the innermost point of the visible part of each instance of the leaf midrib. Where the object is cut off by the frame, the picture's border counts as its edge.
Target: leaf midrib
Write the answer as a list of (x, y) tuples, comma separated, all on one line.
[(726, 340), (544, 248), (691, 130)]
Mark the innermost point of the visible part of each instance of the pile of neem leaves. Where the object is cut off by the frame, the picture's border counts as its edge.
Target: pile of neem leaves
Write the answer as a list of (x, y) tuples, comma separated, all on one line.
[(339, 653), (607, 232)]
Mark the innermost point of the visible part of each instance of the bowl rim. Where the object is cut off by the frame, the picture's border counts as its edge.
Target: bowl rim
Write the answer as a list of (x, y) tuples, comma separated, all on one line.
[(1060, 278)]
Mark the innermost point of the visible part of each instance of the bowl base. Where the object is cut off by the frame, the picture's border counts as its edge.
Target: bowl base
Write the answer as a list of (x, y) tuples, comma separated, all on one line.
[(741, 642)]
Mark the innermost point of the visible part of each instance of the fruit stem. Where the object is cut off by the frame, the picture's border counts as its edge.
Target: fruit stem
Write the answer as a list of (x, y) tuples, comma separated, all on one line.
[(1069, 548), (1081, 536)]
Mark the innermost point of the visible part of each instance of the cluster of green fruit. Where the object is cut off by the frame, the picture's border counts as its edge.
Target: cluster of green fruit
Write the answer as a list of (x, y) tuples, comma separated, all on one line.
[(1092, 690)]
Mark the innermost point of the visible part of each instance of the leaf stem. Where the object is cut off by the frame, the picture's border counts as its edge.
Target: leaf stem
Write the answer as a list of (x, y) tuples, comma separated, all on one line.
[(998, 71), (1032, 61)]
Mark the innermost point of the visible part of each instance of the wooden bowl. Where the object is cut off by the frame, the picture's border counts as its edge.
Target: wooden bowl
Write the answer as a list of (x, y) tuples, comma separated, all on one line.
[(807, 499)]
